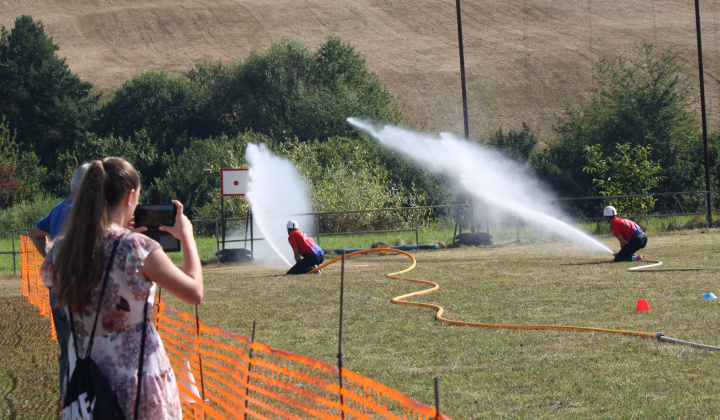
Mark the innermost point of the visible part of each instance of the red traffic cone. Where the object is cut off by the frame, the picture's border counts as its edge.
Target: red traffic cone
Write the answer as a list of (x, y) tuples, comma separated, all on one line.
[(642, 306)]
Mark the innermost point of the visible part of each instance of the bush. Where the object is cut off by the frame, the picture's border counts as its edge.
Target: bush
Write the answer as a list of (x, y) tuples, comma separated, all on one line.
[(290, 92), (628, 172), (168, 109), (643, 102), (25, 215), (186, 181), (21, 175)]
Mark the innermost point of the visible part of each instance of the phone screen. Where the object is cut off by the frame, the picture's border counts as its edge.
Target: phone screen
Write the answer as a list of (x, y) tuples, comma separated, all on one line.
[(155, 216)]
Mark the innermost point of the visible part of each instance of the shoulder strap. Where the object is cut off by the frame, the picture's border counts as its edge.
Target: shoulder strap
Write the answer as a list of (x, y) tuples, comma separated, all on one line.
[(97, 314), (142, 357)]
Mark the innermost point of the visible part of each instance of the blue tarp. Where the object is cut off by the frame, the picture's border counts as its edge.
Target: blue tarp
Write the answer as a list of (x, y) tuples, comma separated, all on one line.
[(401, 248)]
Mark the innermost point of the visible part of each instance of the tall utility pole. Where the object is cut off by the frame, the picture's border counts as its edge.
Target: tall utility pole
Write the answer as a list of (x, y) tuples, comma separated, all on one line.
[(462, 70), (703, 117), (464, 100)]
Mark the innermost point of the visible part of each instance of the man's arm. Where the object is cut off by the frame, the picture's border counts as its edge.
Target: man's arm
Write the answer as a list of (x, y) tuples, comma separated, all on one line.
[(40, 239), (296, 254), (622, 240)]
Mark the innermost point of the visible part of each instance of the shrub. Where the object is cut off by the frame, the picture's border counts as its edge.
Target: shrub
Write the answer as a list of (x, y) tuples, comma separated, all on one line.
[(25, 215), (643, 102)]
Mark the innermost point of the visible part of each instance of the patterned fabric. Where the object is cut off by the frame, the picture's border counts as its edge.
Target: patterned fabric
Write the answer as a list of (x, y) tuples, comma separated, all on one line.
[(119, 330)]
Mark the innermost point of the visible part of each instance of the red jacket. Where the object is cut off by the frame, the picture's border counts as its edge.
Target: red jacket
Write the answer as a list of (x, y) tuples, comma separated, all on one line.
[(626, 228)]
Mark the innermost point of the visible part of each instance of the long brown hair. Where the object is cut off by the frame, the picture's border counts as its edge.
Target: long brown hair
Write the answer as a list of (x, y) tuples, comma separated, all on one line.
[(79, 259)]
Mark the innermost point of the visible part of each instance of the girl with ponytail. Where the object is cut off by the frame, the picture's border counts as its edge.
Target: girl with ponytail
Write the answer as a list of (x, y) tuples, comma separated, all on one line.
[(75, 265)]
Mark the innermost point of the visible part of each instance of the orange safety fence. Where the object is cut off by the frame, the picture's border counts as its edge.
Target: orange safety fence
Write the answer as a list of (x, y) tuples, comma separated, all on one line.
[(31, 285), (225, 375)]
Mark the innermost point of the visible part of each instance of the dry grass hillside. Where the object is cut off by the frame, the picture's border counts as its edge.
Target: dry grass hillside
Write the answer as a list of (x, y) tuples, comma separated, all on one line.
[(525, 59)]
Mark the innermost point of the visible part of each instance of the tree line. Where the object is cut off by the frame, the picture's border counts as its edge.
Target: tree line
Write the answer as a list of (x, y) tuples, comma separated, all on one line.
[(636, 133)]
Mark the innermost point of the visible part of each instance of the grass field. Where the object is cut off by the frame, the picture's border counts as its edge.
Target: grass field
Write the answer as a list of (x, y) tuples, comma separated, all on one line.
[(483, 372)]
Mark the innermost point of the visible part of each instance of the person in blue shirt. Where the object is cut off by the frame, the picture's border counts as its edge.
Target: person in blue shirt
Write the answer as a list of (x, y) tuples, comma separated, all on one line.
[(53, 225)]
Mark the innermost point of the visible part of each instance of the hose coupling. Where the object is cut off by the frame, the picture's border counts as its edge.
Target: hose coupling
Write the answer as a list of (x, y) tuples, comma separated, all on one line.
[(659, 335)]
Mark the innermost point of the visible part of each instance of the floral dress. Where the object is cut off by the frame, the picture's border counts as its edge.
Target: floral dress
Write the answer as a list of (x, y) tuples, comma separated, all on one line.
[(118, 334)]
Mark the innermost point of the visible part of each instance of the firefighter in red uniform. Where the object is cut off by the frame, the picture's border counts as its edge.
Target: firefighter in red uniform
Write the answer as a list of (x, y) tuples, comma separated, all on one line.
[(308, 255), (631, 236)]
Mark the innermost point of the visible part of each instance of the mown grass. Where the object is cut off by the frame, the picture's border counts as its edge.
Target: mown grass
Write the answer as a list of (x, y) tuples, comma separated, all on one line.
[(436, 234), (483, 372)]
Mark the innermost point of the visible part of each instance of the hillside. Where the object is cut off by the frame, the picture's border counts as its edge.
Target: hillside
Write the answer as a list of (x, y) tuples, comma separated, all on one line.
[(525, 59)]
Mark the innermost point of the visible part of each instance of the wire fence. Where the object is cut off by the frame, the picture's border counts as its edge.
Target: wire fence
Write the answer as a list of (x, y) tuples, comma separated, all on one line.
[(418, 222), (475, 216)]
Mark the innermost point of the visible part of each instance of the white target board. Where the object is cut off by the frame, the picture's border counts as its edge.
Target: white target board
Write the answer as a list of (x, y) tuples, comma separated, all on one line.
[(234, 181)]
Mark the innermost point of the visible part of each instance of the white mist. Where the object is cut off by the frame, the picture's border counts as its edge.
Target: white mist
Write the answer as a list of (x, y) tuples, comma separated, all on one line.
[(484, 173), (276, 194)]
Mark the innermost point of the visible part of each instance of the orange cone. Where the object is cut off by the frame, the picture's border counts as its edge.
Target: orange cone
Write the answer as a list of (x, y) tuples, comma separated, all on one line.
[(642, 306)]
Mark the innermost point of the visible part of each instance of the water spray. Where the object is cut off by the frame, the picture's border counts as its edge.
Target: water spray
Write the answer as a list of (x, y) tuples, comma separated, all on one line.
[(484, 173), (276, 194)]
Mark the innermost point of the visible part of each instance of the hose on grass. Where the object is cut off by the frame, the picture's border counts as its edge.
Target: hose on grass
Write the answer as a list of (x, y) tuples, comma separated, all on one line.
[(402, 300), (646, 268)]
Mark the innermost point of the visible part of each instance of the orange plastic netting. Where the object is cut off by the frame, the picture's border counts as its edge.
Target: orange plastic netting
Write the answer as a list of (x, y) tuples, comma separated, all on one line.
[(31, 284), (225, 375)]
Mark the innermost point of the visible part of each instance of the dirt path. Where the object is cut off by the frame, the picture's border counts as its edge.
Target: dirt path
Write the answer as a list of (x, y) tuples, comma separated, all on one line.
[(28, 373)]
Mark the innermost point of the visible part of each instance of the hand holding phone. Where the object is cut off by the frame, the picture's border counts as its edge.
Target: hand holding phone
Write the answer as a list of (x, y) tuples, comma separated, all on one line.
[(182, 228), (153, 217)]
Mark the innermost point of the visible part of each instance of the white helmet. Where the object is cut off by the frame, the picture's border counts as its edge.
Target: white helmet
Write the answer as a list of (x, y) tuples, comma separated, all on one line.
[(609, 211), (292, 225)]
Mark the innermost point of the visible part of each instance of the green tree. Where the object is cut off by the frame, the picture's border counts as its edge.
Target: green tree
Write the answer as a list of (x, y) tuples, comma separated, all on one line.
[(289, 91), (138, 149), (516, 145), (342, 176), (48, 106), (644, 102), (169, 109), (186, 181), (628, 171), (21, 175)]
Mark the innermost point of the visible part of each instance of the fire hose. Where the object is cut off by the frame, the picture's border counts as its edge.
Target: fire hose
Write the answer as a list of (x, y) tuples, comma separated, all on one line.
[(402, 300)]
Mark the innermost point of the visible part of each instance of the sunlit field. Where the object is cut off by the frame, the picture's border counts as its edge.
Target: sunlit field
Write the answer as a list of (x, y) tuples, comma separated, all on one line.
[(483, 372)]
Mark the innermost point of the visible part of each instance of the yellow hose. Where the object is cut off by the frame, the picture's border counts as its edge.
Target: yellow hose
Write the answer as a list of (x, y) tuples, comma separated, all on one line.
[(440, 310)]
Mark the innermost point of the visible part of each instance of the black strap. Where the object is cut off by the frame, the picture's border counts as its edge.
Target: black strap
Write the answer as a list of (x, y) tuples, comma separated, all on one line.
[(142, 357), (97, 314), (92, 335)]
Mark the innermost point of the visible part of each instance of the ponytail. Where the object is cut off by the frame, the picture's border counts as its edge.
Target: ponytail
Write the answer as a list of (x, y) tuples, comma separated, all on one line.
[(79, 259)]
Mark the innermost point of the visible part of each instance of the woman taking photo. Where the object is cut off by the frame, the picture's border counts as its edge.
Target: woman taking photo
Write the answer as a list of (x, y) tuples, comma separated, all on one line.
[(98, 232)]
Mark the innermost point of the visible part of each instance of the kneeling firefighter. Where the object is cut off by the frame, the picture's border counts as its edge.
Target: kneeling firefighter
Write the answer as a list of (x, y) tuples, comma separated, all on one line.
[(631, 236), (308, 255)]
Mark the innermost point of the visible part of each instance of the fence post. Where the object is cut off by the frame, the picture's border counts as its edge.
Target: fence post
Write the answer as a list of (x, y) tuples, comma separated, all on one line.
[(317, 228), (217, 236), (437, 398), (487, 219), (417, 224), (197, 343), (12, 234), (340, 334), (251, 354), (707, 210), (517, 228)]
